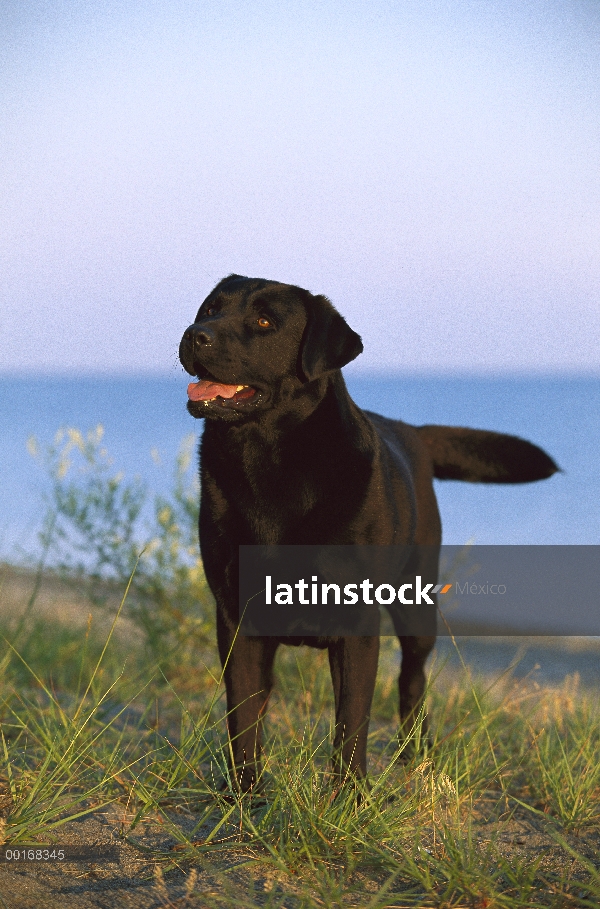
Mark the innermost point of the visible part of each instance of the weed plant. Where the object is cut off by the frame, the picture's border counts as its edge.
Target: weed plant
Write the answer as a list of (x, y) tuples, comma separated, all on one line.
[(503, 810), (97, 530)]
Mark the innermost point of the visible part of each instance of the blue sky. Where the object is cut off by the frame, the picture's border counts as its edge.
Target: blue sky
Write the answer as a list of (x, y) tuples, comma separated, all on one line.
[(433, 167)]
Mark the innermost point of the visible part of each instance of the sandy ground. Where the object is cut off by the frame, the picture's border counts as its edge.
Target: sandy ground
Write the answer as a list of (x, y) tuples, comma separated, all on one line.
[(134, 881), (53, 598)]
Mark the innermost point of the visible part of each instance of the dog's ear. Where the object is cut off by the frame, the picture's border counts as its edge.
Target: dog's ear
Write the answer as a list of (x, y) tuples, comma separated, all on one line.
[(329, 342)]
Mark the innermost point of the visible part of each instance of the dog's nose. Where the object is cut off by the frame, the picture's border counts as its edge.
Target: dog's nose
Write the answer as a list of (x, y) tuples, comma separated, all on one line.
[(200, 336), (194, 339)]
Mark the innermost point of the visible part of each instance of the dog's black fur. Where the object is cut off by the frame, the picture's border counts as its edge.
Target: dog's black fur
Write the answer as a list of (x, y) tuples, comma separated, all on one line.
[(297, 462)]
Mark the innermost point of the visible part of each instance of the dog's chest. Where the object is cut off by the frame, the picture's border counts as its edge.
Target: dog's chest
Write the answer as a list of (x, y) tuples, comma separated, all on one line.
[(285, 494), (267, 487), (257, 488), (263, 500)]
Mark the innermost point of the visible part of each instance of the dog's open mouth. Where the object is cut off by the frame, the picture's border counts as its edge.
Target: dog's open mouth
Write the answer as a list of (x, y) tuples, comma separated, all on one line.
[(208, 390)]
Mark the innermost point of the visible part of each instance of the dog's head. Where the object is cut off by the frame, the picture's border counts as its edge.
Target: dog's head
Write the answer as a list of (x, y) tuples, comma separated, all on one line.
[(255, 341)]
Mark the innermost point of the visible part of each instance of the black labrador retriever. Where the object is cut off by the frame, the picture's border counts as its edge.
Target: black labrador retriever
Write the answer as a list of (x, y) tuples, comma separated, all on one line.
[(288, 458)]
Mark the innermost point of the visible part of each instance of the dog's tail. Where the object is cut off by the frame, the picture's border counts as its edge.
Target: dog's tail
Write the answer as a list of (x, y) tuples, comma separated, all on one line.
[(479, 456)]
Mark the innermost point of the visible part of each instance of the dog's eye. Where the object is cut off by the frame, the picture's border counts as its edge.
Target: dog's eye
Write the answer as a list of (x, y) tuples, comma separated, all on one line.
[(263, 322), (210, 311)]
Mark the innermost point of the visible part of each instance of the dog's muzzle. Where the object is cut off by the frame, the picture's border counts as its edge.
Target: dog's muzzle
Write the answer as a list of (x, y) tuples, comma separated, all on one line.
[(195, 339)]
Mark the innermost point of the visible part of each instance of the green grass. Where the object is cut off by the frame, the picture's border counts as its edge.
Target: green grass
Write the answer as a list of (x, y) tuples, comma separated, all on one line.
[(84, 726)]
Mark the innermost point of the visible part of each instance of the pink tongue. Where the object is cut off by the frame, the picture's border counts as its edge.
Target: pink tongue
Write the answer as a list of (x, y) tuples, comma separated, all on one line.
[(207, 390)]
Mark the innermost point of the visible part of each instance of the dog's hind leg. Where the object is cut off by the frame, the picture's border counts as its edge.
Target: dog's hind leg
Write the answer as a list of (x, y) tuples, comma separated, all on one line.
[(411, 686)]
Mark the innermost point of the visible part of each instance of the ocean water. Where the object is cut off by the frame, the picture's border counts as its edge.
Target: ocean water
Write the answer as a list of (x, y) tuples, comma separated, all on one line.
[(140, 414)]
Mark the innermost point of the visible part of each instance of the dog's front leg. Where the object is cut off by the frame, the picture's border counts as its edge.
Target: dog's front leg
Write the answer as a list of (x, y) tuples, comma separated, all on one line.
[(248, 674), (353, 662)]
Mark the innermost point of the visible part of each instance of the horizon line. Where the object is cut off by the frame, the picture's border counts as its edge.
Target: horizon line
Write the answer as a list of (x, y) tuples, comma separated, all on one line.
[(349, 372)]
